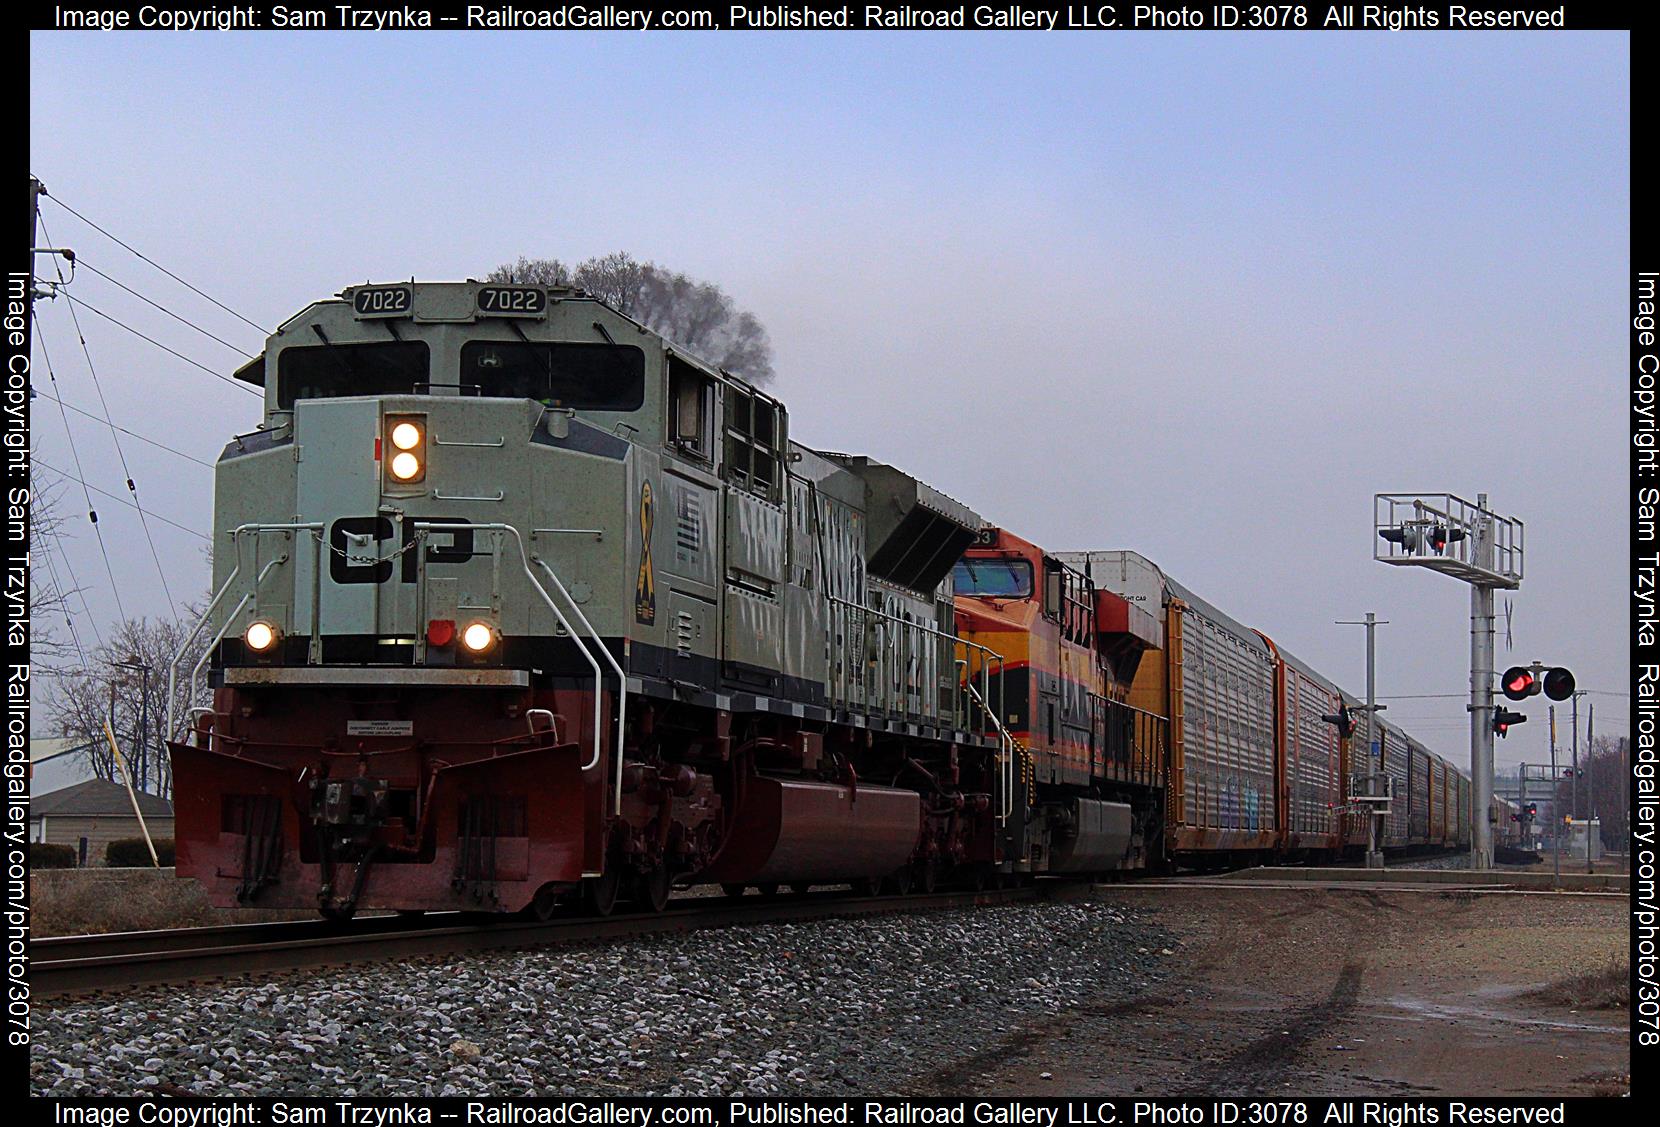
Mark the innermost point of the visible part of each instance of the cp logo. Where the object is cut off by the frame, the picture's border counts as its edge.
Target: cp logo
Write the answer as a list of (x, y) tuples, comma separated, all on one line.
[(344, 568)]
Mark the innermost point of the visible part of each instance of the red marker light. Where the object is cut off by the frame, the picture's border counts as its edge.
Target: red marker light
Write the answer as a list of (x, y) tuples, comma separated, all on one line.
[(440, 632), (1518, 682)]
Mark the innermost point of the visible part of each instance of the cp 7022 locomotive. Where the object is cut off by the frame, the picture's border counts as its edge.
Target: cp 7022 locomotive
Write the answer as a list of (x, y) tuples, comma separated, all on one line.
[(516, 603)]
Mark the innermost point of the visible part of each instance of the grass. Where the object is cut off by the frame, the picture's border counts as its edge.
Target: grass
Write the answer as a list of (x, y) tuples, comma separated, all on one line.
[(1607, 987), (91, 902)]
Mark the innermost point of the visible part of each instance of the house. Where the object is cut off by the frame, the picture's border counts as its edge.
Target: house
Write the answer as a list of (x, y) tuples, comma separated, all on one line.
[(57, 763), (88, 816)]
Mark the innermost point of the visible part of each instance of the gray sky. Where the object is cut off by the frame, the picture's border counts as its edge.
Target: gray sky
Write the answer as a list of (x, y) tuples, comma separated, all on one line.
[(1200, 295)]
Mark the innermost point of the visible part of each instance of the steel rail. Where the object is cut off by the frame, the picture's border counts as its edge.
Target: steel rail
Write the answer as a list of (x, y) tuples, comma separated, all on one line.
[(76, 964)]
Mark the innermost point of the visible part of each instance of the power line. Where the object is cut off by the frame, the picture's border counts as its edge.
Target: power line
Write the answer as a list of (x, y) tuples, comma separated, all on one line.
[(122, 500), (124, 430), (75, 451), (81, 262), (132, 486), (263, 331), (194, 363), (56, 541)]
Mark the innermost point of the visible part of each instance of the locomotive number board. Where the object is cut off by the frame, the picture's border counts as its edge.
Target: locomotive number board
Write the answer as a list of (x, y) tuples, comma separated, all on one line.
[(512, 301), (382, 301)]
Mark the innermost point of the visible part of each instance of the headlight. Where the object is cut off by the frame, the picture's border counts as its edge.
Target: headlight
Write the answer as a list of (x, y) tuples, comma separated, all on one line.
[(478, 637), (261, 636), (406, 436), (405, 443)]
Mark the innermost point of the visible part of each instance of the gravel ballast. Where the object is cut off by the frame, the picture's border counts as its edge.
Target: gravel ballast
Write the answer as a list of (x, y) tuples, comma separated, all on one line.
[(829, 1007)]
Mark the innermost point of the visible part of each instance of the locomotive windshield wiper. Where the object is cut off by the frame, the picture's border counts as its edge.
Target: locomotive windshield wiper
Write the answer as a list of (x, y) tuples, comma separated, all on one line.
[(618, 353), (341, 356)]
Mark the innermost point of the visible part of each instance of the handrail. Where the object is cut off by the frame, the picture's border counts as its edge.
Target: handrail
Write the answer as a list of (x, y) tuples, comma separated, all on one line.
[(207, 653), (173, 666), (988, 656), (1006, 742), (622, 678), (316, 529), (524, 560)]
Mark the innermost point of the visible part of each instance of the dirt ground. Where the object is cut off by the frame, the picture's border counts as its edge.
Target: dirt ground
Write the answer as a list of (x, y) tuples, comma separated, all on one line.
[(1338, 992)]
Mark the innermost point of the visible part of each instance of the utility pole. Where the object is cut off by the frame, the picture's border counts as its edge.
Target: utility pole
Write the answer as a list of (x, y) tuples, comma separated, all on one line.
[(1590, 784), (36, 190), (1556, 789), (1574, 754), (1374, 758)]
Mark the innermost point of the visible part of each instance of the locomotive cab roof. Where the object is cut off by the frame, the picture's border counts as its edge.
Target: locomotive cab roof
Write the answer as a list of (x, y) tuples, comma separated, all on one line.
[(557, 344)]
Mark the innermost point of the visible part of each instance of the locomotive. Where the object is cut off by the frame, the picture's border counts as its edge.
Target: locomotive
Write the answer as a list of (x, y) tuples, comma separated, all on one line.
[(517, 603)]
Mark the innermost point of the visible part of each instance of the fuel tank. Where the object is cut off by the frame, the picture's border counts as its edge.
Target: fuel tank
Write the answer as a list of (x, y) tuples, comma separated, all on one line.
[(788, 830), (1094, 836)]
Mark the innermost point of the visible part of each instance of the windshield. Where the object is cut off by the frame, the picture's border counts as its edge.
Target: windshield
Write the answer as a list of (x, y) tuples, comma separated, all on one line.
[(993, 579), (328, 371), (596, 377)]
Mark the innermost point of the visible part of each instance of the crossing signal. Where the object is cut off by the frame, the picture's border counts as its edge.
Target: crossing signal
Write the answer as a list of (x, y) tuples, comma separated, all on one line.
[(1531, 809), (1503, 718), (1559, 683), (1519, 682)]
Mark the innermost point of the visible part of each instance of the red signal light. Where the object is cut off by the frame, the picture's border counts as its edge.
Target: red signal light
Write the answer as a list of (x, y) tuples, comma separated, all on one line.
[(440, 632), (1518, 682)]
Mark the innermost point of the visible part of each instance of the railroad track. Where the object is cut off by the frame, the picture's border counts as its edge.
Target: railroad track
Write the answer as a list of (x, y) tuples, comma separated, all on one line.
[(1339, 885), (78, 964)]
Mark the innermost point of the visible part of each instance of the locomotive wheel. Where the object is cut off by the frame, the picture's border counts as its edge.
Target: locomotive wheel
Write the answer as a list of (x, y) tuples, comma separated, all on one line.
[(601, 891), (865, 886), (544, 904), (733, 891), (927, 877), (767, 891), (651, 890), (899, 883)]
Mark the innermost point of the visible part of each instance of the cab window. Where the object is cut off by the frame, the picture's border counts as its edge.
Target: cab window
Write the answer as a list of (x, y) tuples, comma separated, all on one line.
[(691, 410), (595, 377), (754, 442), (992, 578), (331, 371)]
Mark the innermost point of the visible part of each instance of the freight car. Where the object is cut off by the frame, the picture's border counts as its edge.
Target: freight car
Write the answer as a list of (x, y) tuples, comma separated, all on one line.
[(516, 602)]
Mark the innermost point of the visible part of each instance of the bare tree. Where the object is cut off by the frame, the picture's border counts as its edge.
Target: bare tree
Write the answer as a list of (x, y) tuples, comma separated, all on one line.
[(126, 687), (698, 316)]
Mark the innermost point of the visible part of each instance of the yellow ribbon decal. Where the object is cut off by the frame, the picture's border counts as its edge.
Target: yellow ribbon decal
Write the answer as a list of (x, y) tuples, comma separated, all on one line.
[(645, 587)]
